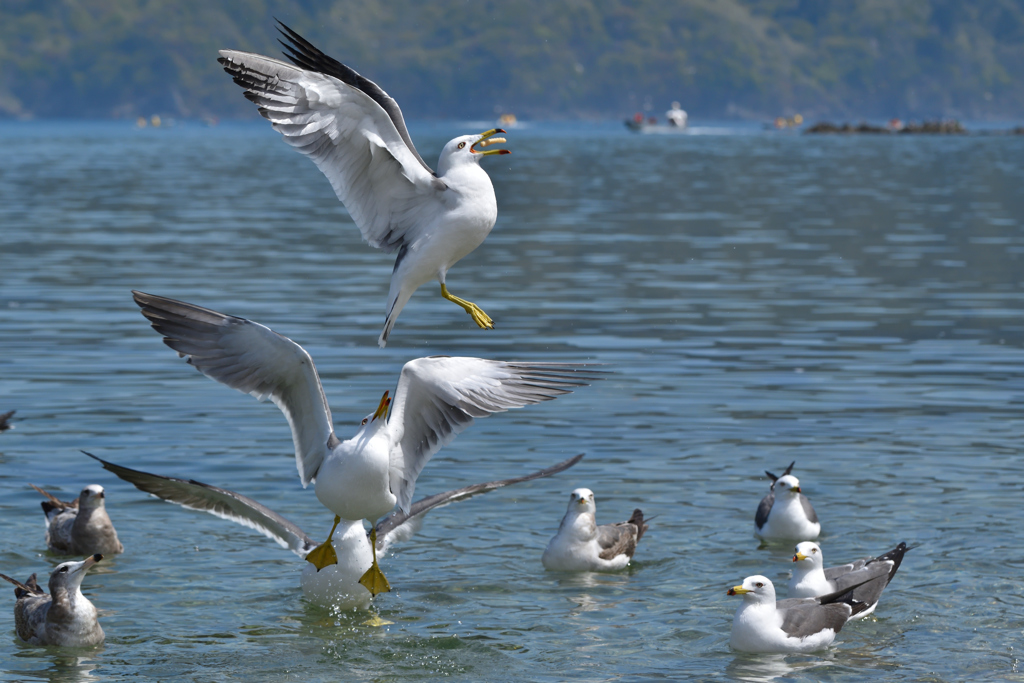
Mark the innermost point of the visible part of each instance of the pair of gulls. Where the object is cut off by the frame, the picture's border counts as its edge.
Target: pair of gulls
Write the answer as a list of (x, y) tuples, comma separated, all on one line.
[(821, 599)]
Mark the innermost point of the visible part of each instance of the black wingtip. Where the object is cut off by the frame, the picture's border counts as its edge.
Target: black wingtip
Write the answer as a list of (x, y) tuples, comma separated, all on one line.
[(789, 469)]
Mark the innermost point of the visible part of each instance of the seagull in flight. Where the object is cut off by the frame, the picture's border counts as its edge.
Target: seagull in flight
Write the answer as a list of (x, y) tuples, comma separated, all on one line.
[(355, 134), (366, 476)]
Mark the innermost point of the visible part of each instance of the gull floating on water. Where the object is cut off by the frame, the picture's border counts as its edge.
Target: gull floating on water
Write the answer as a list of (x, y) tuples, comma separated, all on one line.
[(335, 586), (5, 420), (63, 617), (796, 625), (82, 526), (355, 134), (789, 515), (810, 579), (581, 545), (364, 477)]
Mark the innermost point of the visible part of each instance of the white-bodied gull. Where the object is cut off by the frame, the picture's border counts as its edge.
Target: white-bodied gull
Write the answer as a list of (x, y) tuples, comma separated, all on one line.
[(786, 513), (811, 578), (355, 134), (82, 526), (63, 617), (581, 545), (338, 585), (763, 624), (364, 477)]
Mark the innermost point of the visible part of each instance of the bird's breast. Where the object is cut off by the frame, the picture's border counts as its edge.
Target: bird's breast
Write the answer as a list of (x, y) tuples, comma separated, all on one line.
[(353, 480)]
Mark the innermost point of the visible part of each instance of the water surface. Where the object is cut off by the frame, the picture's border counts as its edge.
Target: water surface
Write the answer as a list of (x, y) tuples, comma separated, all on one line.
[(850, 303)]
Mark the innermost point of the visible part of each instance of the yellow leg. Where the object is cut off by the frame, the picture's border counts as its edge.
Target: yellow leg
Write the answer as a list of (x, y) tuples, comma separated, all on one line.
[(323, 555), (479, 317), (374, 580)]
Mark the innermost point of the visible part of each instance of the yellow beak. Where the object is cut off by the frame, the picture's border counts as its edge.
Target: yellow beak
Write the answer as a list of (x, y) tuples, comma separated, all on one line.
[(799, 556), (382, 409), (738, 590), (486, 139)]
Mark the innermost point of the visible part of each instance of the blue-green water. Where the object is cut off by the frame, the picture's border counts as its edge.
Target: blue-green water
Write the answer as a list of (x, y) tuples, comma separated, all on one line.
[(853, 304)]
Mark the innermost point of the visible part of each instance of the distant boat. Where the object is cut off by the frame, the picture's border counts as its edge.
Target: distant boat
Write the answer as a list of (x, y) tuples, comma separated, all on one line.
[(507, 121), (676, 119)]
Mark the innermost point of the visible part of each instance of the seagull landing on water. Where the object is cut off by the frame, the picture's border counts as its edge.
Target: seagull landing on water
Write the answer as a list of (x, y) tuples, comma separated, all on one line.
[(355, 134), (65, 617), (581, 545), (786, 513), (811, 579), (364, 477), (82, 526), (796, 625)]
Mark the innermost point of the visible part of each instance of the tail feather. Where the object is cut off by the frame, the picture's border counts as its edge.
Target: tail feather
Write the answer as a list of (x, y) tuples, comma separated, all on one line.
[(637, 520), (30, 587)]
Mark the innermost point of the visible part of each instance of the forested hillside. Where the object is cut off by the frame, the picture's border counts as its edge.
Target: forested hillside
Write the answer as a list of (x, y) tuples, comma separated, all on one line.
[(577, 58)]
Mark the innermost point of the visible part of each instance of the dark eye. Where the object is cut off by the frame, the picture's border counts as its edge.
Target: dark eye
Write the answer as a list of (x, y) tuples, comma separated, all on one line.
[(814, 550), (63, 569), (461, 145), (759, 584), (363, 422)]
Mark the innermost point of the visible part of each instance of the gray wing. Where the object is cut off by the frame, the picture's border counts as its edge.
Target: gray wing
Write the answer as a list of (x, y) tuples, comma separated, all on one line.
[(30, 587), (764, 509), (222, 503), (255, 360), (808, 509), (352, 131), (439, 397), (869, 577), (833, 573), (616, 539), (802, 618), (400, 526)]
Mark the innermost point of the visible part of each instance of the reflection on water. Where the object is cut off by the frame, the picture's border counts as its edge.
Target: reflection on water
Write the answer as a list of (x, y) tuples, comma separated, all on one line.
[(851, 304)]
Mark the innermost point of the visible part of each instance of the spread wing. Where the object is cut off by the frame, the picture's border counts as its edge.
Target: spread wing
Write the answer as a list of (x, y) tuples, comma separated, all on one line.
[(225, 504), (400, 526), (439, 397), (255, 360), (351, 129), (763, 510)]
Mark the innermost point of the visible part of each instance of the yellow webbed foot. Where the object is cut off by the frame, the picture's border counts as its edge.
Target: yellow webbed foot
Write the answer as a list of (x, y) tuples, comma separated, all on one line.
[(375, 581), (376, 622), (323, 555), (482, 320)]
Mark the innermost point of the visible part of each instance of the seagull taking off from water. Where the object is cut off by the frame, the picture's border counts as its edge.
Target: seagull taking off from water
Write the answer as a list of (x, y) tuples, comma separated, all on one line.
[(364, 477), (787, 515), (81, 527), (581, 545), (355, 134), (65, 617), (811, 578)]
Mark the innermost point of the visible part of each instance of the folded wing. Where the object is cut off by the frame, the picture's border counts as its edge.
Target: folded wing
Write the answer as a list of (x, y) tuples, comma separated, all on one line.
[(255, 360)]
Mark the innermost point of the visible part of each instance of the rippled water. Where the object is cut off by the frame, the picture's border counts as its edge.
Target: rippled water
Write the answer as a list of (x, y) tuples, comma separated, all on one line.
[(851, 303)]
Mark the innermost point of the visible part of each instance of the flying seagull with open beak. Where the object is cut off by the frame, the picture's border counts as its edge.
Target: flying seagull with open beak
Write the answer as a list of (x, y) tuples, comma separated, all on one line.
[(366, 476), (355, 133)]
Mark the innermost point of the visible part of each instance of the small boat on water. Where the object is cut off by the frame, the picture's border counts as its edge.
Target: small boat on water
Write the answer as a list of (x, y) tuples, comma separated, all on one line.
[(675, 117)]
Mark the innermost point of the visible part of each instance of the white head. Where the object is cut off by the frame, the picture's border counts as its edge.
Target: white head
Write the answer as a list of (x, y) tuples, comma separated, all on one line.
[(91, 497), (68, 576), (580, 501), (755, 589), (787, 483), (808, 555), (378, 418), (467, 149)]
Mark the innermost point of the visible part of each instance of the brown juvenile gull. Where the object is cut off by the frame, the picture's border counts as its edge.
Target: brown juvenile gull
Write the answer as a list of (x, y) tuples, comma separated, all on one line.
[(355, 134), (763, 624), (65, 617), (337, 585), (811, 578), (581, 545), (787, 515), (82, 526), (366, 476)]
